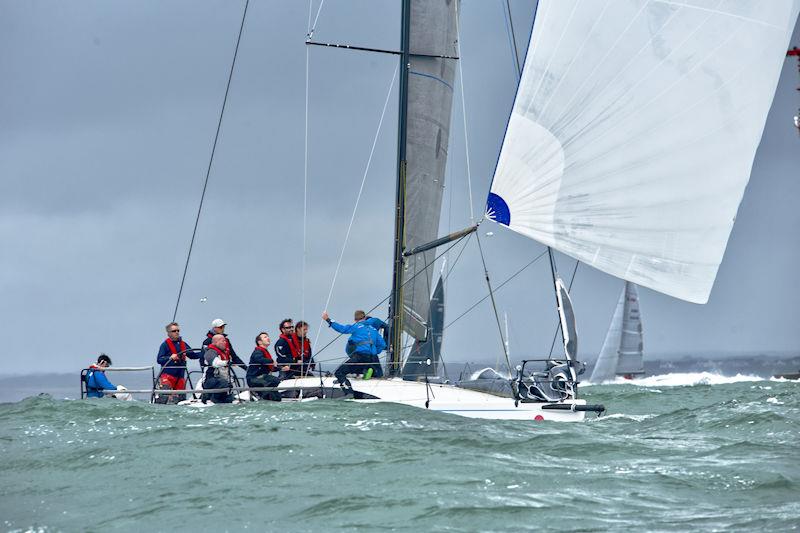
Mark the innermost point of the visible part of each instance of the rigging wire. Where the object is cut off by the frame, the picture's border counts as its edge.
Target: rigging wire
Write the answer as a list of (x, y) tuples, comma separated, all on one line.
[(313, 27), (211, 160), (453, 244), (305, 177), (464, 116), (494, 305), (512, 36), (476, 304), (360, 192)]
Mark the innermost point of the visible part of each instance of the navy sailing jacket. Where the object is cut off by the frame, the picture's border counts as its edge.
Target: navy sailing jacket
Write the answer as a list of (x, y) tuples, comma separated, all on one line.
[(260, 364), (168, 366)]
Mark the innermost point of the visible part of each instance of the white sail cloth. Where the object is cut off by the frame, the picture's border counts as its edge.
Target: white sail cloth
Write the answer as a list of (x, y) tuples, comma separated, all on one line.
[(634, 130), (622, 351)]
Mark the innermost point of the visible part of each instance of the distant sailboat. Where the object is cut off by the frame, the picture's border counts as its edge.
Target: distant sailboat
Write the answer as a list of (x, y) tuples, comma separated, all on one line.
[(622, 353)]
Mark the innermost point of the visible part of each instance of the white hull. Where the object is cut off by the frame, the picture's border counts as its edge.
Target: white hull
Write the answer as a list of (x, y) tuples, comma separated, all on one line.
[(444, 398)]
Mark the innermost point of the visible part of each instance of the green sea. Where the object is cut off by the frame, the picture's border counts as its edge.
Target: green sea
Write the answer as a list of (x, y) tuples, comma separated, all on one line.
[(673, 453)]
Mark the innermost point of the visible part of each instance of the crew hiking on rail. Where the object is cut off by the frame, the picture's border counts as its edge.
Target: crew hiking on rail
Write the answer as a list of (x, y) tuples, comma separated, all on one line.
[(366, 342)]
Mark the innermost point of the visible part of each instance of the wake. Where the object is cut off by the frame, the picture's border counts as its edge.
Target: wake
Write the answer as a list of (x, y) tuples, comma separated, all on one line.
[(683, 379)]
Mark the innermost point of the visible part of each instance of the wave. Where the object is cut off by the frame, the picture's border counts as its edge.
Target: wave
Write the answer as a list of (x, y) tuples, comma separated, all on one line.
[(682, 379)]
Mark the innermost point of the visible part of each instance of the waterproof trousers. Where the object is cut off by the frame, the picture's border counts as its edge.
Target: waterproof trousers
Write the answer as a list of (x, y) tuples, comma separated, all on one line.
[(266, 380)]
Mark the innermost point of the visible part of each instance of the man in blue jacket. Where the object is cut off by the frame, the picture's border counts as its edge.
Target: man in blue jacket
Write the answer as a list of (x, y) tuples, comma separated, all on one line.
[(96, 380), (367, 344)]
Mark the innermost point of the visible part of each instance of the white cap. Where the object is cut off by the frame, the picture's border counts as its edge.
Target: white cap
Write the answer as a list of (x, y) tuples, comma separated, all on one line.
[(217, 323)]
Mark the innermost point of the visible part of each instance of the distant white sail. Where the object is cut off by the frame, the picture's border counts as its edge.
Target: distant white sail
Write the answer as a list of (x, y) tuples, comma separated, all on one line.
[(634, 130), (623, 349)]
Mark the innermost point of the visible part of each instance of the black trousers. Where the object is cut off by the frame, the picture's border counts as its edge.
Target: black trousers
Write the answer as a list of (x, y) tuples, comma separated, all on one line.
[(355, 364), (266, 380), (214, 382)]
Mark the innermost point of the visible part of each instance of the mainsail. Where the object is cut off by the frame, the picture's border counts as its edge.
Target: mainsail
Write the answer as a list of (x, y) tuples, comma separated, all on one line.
[(622, 352), (433, 33), (634, 130), (416, 365)]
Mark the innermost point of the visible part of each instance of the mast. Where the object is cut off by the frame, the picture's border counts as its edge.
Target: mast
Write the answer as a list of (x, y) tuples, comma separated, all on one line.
[(396, 299)]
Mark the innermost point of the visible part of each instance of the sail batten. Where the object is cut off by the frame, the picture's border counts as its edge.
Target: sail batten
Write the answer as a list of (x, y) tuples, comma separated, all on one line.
[(634, 130)]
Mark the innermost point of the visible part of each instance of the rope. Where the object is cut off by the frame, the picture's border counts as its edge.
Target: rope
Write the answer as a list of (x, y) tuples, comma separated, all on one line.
[(494, 305), (210, 161), (464, 117), (360, 191)]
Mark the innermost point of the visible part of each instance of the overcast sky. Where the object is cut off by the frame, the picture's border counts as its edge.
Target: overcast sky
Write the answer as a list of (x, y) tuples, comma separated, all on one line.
[(107, 116)]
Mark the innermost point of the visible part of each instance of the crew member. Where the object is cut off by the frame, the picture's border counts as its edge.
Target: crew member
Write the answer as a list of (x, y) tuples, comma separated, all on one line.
[(218, 374), (172, 356), (368, 344), (378, 324), (301, 348), (218, 328), (97, 382), (259, 372), (287, 363)]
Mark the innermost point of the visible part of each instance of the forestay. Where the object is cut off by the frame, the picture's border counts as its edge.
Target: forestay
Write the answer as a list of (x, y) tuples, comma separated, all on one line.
[(430, 97), (634, 129)]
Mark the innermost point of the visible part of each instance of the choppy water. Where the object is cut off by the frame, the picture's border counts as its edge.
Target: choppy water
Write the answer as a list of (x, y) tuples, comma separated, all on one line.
[(721, 453)]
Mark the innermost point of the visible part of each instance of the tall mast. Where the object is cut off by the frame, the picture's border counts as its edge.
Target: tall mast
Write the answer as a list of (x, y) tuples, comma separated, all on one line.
[(396, 300)]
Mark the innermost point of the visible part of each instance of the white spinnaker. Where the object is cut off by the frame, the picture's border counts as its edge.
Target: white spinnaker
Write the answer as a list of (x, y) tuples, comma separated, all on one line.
[(634, 130)]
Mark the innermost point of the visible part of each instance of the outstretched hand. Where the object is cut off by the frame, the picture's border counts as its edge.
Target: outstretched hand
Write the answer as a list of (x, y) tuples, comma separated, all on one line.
[(325, 316)]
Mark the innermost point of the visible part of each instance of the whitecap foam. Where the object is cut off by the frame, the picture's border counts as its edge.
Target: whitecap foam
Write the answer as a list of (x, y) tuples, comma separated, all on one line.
[(685, 379)]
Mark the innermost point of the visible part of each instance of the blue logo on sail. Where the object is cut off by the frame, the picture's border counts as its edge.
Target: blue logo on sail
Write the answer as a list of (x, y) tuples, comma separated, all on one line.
[(497, 209)]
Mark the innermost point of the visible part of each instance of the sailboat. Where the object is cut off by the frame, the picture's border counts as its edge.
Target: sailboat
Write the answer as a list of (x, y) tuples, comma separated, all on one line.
[(629, 146), (622, 353)]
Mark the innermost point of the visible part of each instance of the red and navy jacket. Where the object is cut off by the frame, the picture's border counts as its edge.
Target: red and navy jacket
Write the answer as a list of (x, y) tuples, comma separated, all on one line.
[(261, 363), (165, 351)]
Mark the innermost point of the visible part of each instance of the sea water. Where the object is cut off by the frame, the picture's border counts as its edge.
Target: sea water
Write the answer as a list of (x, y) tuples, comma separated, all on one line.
[(674, 453)]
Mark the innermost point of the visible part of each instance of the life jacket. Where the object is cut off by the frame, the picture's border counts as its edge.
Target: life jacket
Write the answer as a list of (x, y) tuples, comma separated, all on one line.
[(173, 349), (295, 347), (225, 356), (270, 366)]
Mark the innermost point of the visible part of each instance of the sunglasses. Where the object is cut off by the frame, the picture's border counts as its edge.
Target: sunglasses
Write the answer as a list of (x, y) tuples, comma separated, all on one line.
[(174, 331)]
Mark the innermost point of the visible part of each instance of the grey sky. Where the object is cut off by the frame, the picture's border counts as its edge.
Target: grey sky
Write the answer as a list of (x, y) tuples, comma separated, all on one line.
[(107, 116)]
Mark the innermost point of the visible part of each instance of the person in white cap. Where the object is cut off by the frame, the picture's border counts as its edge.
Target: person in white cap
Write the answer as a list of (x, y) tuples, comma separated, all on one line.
[(218, 328)]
